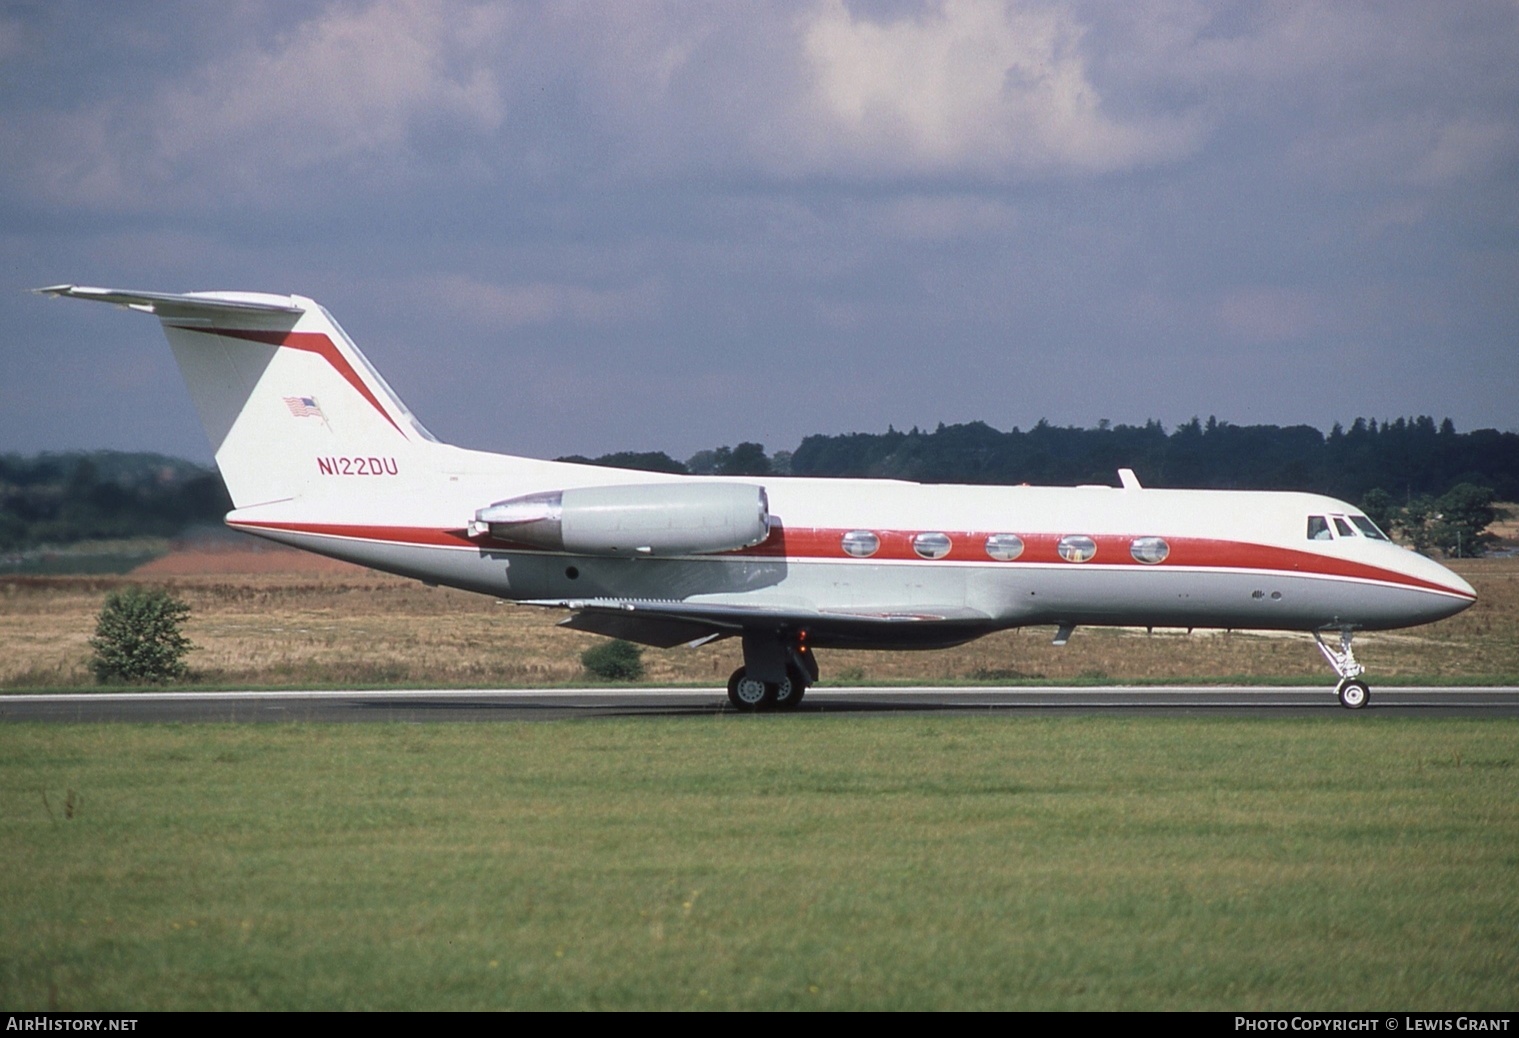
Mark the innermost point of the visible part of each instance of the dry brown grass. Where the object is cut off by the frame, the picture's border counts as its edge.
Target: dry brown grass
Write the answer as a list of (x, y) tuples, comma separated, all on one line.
[(1507, 528), (360, 627)]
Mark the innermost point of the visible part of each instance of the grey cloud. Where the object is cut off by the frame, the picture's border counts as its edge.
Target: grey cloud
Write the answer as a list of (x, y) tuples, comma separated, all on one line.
[(514, 305), (575, 228), (340, 95)]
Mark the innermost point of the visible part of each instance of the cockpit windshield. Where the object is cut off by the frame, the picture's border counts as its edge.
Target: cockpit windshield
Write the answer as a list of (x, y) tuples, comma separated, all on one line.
[(1368, 528), (1337, 527)]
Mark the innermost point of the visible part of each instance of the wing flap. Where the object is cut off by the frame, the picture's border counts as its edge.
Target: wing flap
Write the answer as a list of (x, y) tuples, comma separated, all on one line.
[(662, 632), (665, 624)]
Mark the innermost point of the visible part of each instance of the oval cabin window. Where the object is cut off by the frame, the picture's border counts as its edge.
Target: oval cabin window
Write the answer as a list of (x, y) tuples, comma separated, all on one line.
[(931, 545), (1004, 547), (1076, 547), (861, 544), (1149, 550)]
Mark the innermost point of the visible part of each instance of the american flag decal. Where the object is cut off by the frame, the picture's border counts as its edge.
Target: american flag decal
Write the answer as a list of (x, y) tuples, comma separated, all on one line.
[(304, 407)]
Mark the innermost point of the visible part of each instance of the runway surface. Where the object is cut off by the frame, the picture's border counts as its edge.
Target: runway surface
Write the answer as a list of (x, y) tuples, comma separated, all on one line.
[(424, 705)]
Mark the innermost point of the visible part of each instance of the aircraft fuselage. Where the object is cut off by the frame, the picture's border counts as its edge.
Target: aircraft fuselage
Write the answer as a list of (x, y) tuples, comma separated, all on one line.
[(318, 452)]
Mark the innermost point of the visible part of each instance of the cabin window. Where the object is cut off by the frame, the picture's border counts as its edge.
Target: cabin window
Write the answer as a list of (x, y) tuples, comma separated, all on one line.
[(861, 544), (931, 545), (1149, 550), (1368, 528), (1004, 547), (1318, 529), (1344, 527), (1076, 548)]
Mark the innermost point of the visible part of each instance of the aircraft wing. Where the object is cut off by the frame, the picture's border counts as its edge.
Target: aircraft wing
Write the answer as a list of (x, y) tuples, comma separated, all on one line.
[(665, 624)]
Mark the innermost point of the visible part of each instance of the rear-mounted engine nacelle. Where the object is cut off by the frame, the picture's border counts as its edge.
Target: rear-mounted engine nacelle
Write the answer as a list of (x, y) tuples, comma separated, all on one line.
[(636, 519)]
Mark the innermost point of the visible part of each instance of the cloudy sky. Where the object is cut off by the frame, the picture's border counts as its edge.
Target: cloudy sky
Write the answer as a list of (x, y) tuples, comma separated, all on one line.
[(591, 227)]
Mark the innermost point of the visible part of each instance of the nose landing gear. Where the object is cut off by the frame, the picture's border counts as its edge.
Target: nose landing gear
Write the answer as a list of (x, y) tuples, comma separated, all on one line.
[(1353, 693)]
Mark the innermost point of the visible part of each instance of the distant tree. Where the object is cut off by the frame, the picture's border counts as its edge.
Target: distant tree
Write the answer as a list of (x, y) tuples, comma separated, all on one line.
[(137, 637), (702, 463), (1463, 515), (1380, 508), (644, 461), (747, 459), (614, 660), (12, 531), (1416, 522)]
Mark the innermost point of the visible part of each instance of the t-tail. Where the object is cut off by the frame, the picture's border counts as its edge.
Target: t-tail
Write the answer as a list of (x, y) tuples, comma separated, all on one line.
[(285, 396)]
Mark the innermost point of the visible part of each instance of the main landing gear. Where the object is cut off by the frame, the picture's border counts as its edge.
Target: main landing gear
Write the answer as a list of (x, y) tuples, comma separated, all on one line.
[(778, 668), (1353, 692), (750, 694)]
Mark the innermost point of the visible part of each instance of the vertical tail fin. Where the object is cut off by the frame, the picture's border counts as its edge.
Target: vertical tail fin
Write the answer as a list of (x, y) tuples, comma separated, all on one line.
[(284, 394)]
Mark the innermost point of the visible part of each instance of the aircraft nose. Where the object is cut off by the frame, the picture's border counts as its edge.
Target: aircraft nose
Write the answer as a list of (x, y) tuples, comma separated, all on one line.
[(1460, 587), (1462, 596), (1441, 593)]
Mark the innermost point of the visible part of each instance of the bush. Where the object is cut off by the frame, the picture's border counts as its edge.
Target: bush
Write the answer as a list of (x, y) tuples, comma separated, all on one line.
[(137, 638), (615, 660), (1456, 523), (1466, 511)]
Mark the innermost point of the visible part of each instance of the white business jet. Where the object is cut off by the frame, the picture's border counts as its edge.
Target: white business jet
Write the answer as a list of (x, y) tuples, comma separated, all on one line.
[(319, 453)]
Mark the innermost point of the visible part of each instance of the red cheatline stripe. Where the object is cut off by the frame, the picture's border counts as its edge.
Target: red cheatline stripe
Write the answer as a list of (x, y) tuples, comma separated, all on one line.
[(896, 545), (1112, 550), (311, 342)]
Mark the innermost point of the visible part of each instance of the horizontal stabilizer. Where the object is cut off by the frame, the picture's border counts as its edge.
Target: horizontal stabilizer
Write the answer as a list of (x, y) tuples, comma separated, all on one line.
[(171, 306)]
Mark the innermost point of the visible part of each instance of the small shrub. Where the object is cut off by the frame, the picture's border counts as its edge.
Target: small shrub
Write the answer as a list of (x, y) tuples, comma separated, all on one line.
[(1002, 674), (137, 637), (615, 660)]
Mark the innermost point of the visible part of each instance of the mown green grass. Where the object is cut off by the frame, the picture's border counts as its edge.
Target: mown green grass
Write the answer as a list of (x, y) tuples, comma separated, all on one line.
[(763, 862)]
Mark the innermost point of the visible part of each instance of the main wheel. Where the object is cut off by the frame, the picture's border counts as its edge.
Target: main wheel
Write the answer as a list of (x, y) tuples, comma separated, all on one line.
[(1354, 694), (790, 692), (750, 694)]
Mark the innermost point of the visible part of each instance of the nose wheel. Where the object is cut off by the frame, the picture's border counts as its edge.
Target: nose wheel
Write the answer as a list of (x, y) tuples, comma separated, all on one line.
[(1353, 693)]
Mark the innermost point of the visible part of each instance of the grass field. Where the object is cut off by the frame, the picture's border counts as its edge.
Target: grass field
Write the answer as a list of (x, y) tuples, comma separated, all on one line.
[(745, 862), (763, 862), (326, 624)]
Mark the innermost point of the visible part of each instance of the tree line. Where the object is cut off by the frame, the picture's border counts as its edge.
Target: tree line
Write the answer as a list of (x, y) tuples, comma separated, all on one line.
[(102, 495), (1405, 457), (1433, 486), (1403, 472)]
